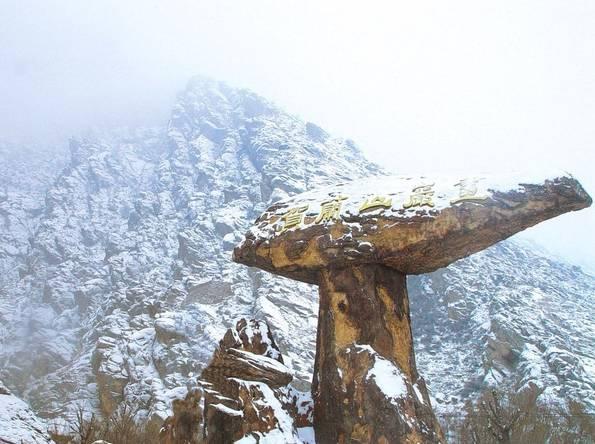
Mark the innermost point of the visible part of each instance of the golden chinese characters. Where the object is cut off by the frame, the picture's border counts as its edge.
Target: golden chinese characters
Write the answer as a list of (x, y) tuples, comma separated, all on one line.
[(420, 196), (425, 195), (376, 202), (330, 210), (293, 218), (468, 192)]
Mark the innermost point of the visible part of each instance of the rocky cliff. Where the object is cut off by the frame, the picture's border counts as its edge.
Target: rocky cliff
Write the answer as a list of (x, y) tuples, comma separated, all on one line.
[(121, 285)]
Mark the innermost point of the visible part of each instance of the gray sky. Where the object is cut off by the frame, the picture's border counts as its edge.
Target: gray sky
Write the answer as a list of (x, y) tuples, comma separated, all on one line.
[(426, 86)]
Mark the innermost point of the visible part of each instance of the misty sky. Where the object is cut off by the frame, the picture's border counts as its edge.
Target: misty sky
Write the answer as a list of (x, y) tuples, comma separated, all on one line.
[(458, 86)]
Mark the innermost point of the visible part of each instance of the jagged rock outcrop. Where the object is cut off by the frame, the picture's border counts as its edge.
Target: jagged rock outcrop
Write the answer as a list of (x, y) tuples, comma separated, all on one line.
[(18, 423), (246, 395), (249, 352), (358, 246)]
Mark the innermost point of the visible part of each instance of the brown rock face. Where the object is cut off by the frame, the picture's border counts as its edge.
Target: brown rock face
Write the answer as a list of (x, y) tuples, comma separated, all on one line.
[(185, 426), (249, 352), (358, 241), (245, 393)]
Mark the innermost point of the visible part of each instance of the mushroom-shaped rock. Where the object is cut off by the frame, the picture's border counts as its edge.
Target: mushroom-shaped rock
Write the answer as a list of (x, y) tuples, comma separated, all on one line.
[(358, 241)]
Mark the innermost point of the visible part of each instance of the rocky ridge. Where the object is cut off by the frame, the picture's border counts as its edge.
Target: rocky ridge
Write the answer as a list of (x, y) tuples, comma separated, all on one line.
[(124, 284)]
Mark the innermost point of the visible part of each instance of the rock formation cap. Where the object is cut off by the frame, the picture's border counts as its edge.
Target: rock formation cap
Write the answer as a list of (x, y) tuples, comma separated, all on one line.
[(411, 224)]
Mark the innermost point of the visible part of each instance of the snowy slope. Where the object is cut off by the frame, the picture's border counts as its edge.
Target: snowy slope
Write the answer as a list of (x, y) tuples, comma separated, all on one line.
[(126, 282), (18, 423), (506, 315)]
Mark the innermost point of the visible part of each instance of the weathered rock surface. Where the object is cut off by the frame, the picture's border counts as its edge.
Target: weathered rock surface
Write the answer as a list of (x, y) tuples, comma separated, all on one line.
[(366, 386), (185, 426), (246, 395), (411, 224), (249, 352)]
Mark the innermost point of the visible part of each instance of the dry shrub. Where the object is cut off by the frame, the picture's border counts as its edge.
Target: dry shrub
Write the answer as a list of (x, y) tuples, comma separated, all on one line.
[(518, 418), (121, 427)]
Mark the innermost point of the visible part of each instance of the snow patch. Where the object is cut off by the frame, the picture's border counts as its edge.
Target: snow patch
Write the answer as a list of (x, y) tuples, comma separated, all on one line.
[(227, 410), (388, 379)]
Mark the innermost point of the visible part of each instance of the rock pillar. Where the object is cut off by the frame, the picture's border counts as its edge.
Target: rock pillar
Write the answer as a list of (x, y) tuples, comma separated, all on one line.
[(366, 386)]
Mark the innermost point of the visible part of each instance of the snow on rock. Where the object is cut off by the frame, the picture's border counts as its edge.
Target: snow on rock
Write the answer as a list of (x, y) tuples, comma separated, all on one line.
[(413, 225), (227, 410), (18, 423), (284, 430), (246, 394), (306, 435), (478, 322), (389, 379), (393, 194)]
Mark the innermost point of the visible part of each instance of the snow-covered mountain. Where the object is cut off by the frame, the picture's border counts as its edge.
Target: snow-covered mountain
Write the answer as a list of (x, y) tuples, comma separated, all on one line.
[(119, 284)]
